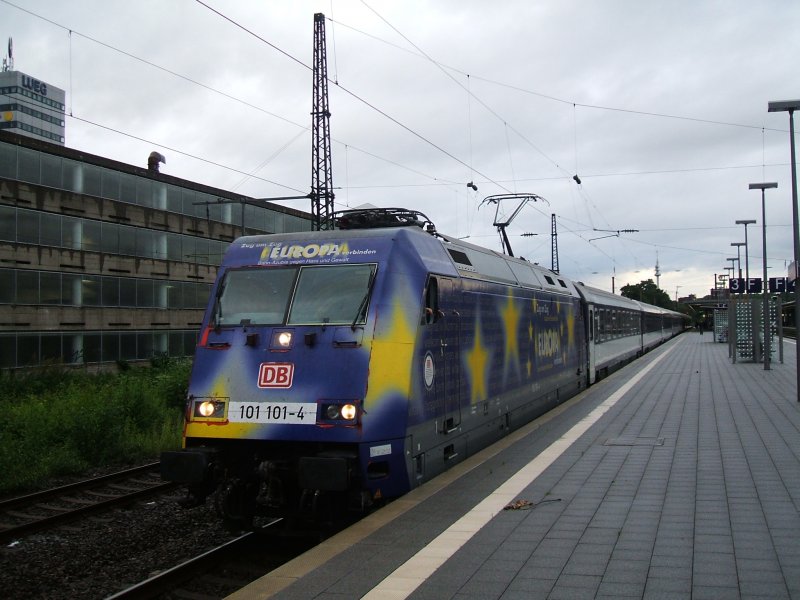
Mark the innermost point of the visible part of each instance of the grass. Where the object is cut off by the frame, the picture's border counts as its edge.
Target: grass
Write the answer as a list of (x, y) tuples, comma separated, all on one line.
[(59, 422)]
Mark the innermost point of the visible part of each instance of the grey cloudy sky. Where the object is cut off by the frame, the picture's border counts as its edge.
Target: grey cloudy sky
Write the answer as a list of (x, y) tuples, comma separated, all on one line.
[(659, 107)]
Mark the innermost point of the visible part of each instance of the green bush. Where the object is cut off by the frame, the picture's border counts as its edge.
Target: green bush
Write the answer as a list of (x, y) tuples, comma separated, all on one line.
[(59, 423)]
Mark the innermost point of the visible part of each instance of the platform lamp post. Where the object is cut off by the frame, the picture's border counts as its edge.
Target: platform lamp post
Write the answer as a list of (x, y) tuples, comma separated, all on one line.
[(733, 267), (739, 255), (746, 222), (790, 106), (765, 282)]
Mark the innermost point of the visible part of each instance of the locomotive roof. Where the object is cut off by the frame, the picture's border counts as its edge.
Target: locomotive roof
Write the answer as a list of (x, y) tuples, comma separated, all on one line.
[(439, 253), (482, 263), (604, 298)]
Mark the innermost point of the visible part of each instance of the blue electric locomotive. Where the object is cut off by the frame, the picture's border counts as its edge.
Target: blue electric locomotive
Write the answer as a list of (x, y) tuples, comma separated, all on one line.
[(338, 368)]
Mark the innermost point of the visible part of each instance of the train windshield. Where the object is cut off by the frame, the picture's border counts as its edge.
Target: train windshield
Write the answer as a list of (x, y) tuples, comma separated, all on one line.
[(330, 294)]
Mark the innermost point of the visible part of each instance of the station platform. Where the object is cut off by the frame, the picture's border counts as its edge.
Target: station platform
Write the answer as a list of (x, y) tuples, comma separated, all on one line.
[(675, 477)]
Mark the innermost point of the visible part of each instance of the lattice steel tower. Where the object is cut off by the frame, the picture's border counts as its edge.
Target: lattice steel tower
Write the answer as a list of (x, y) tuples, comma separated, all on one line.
[(553, 244), (321, 171)]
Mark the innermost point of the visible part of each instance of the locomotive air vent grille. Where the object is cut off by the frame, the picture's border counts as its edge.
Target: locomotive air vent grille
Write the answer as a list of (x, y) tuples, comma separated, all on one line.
[(459, 257)]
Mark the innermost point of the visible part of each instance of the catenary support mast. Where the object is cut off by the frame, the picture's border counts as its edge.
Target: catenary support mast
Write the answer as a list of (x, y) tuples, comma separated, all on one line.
[(554, 244), (321, 170)]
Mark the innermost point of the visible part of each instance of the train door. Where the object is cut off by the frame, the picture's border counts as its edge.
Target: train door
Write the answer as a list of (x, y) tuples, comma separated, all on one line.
[(640, 321), (442, 372), (591, 336), (583, 359)]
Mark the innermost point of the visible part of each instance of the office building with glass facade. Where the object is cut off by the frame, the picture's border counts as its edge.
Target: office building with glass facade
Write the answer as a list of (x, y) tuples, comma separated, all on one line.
[(31, 108), (102, 262)]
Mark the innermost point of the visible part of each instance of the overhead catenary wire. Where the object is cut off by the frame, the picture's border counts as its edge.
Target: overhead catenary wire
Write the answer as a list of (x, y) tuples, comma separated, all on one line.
[(416, 171), (268, 160), (558, 99), (478, 99), (469, 130), (349, 92), (513, 180), (181, 152), (582, 192), (201, 85), (472, 95), (575, 104), (510, 157), (560, 177)]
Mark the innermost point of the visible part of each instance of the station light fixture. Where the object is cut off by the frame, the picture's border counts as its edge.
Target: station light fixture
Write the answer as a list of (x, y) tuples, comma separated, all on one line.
[(790, 106), (767, 328)]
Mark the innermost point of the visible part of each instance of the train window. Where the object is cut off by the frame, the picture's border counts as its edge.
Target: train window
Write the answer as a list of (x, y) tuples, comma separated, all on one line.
[(259, 296), (489, 265), (525, 275), (332, 294), (549, 280), (601, 324), (431, 302)]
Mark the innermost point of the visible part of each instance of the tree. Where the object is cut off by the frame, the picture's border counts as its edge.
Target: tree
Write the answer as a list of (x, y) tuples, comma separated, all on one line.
[(648, 292)]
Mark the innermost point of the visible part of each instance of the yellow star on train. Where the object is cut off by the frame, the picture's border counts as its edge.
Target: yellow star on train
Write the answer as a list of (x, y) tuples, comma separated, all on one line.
[(391, 358), (477, 366), (571, 327), (510, 315)]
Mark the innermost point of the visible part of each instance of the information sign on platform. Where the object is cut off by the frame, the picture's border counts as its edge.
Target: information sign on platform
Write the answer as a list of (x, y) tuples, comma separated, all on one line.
[(736, 285), (780, 285), (777, 285)]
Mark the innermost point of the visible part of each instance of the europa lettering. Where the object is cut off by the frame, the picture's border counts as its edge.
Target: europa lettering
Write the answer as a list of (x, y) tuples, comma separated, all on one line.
[(307, 251), (548, 343)]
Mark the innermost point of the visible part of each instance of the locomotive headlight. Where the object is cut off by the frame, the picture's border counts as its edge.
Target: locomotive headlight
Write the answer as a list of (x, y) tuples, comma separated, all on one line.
[(339, 412), (209, 409), (349, 412), (206, 408), (281, 341)]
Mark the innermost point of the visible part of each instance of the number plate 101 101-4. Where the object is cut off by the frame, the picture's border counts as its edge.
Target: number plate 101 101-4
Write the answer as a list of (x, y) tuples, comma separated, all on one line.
[(296, 413)]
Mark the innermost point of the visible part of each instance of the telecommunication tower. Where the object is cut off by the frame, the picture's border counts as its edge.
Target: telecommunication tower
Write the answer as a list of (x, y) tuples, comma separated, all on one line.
[(658, 272), (321, 170)]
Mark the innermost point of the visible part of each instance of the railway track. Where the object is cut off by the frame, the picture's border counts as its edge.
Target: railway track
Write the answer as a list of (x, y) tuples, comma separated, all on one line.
[(27, 514), (222, 570)]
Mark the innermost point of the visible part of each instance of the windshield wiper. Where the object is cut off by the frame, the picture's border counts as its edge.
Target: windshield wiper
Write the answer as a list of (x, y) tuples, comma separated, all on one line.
[(216, 313), (362, 307)]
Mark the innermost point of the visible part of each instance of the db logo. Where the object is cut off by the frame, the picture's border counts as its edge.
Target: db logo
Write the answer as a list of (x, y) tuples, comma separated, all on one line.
[(275, 375)]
